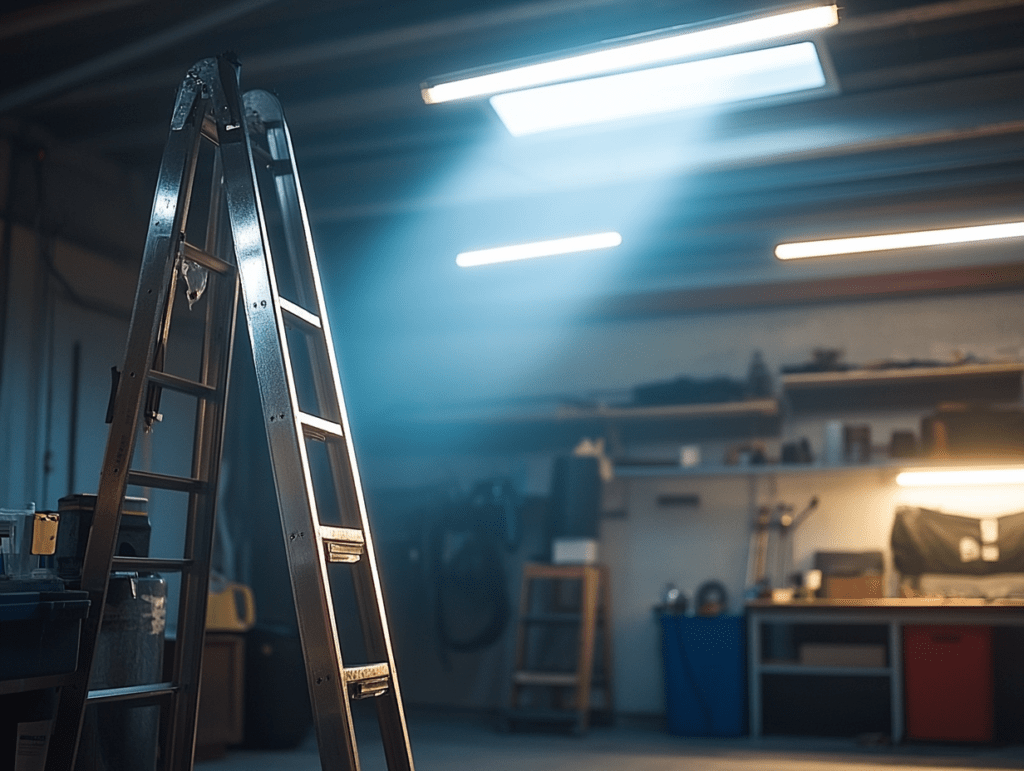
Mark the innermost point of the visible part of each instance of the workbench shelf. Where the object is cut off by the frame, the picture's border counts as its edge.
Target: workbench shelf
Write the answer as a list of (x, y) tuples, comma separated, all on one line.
[(857, 694)]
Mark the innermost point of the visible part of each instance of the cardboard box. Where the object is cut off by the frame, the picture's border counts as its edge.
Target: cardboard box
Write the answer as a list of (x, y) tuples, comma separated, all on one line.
[(842, 655), (852, 587), (574, 551)]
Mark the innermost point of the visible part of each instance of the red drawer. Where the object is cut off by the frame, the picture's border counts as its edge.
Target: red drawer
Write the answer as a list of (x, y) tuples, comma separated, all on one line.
[(949, 686)]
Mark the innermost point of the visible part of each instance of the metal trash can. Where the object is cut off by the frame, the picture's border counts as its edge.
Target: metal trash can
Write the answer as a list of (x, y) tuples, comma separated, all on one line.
[(119, 737)]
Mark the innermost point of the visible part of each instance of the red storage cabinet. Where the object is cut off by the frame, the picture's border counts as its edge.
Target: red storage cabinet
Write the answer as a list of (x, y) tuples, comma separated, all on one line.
[(949, 682)]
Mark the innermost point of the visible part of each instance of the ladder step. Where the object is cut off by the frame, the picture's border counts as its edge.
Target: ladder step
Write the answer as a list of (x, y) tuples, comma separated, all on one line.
[(150, 564), (318, 428), (166, 482), (207, 260), (342, 544), (546, 678), (367, 681), (182, 385), (310, 320), (139, 694)]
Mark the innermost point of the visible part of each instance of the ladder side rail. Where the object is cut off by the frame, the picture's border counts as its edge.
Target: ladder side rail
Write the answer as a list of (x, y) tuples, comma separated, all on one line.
[(159, 264), (222, 301), (306, 562), (348, 486)]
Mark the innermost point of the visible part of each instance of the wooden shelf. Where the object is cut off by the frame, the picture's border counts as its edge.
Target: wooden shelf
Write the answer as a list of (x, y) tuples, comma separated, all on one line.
[(895, 388), (566, 424)]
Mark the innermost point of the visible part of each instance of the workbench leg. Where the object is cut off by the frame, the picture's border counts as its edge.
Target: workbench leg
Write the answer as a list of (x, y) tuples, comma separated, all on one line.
[(896, 679), (754, 672)]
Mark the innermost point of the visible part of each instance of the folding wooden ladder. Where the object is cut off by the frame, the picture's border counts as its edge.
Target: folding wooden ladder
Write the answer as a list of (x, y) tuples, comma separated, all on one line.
[(548, 659), (267, 252)]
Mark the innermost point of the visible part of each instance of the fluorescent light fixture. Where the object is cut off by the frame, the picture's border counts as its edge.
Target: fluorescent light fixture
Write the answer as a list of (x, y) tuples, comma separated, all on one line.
[(960, 477), (732, 78), (881, 243), (538, 249), (656, 49)]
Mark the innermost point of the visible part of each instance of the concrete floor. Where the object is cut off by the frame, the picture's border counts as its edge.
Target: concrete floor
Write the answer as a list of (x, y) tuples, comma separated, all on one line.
[(464, 743)]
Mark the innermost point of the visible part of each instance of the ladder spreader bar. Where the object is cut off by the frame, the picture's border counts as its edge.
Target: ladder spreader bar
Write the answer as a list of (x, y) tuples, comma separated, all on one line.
[(368, 680), (166, 482), (318, 428), (310, 319), (135, 693), (209, 129), (207, 260), (151, 564), (182, 385)]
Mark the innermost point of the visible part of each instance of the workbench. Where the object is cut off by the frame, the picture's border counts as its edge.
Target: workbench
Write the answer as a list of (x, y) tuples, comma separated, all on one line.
[(891, 614)]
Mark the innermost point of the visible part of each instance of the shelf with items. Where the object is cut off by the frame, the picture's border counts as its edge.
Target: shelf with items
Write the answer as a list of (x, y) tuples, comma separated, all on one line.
[(564, 423), (887, 388)]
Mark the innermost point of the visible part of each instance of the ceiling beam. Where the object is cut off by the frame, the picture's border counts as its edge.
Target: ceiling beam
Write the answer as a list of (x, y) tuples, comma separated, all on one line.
[(819, 290), (101, 65)]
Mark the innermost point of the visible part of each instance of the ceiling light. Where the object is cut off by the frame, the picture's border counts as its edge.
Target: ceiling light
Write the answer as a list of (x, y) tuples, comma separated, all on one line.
[(672, 45), (960, 477), (733, 78), (881, 243), (538, 249)]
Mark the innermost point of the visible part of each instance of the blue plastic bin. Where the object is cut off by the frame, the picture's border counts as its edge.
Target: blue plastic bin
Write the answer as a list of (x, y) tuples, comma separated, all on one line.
[(705, 675)]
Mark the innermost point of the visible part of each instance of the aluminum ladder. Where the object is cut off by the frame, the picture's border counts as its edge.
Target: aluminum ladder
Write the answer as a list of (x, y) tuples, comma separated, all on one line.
[(254, 236)]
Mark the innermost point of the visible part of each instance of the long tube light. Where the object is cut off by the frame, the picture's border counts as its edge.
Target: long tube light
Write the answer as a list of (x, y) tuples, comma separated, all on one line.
[(891, 241), (960, 477), (529, 251), (683, 45), (738, 77)]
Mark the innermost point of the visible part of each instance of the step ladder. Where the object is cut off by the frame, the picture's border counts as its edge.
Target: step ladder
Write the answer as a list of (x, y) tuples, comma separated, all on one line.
[(253, 236), (564, 623)]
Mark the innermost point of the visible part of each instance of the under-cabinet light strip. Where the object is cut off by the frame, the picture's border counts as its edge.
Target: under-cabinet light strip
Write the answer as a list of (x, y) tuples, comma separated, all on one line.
[(960, 477)]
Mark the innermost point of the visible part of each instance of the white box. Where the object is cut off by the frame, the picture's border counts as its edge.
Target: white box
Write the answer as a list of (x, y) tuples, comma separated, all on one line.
[(574, 551)]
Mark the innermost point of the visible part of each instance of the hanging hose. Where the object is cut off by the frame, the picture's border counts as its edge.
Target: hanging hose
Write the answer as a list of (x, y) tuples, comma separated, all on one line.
[(471, 599)]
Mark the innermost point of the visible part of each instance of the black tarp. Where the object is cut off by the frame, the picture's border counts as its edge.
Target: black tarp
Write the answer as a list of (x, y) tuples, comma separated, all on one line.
[(925, 541)]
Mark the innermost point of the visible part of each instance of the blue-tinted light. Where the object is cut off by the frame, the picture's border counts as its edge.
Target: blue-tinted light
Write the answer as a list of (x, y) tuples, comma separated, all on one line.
[(662, 49), (529, 251), (733, 78)]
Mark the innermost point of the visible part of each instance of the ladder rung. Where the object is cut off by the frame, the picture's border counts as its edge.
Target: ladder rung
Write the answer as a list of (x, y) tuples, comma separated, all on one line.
[(546, 678), (140, 694), (342, 544), (166, 482), (181, 384), (151, 564), (318, 428), (207, 260), (297, 311), (366, 681), (280, 167)]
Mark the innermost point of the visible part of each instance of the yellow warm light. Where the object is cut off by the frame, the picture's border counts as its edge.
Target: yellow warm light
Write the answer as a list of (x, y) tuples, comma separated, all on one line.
[(638, 55), (890, 241), (960, 477)]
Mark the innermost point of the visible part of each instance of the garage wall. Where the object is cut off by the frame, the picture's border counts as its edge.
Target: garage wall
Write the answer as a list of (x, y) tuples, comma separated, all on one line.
[(650, 545)]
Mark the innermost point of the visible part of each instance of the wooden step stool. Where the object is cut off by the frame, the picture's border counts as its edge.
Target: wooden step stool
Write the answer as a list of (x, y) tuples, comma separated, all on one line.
[(556, 642)]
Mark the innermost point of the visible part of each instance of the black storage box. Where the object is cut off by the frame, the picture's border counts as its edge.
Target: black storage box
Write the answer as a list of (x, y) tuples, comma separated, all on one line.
[(76, 512), (39, 632)]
